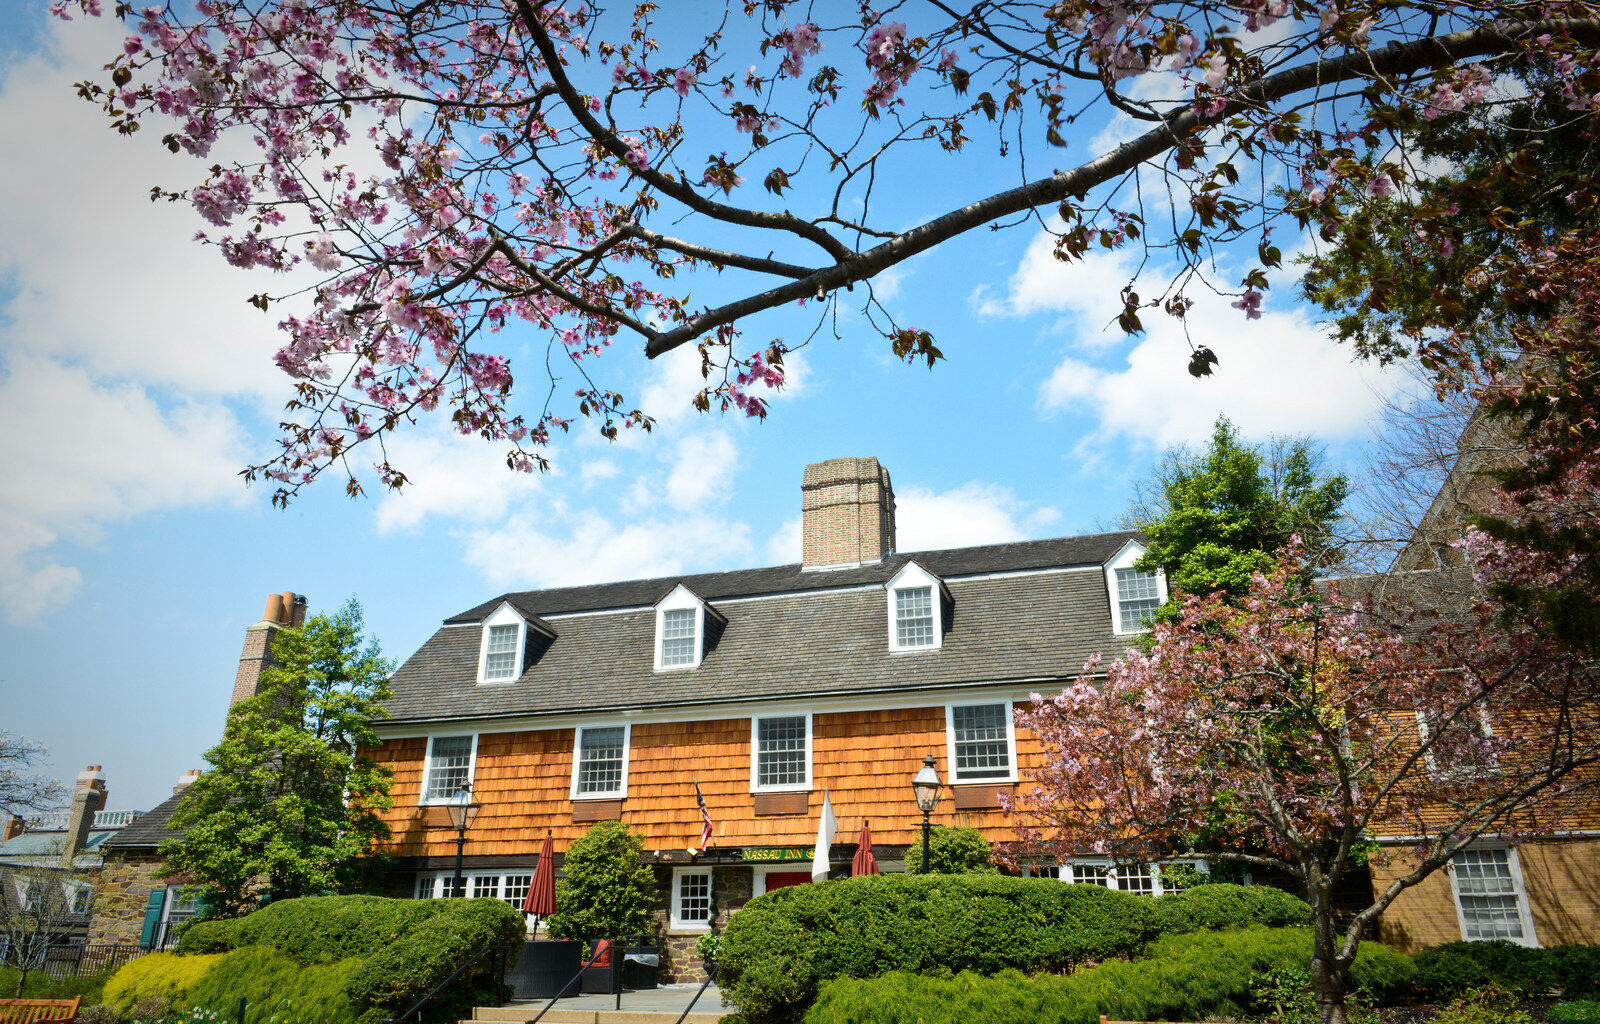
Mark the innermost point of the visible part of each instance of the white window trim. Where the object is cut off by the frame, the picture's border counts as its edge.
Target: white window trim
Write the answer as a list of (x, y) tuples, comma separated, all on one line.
[(676, 924), (505, 615), (681, 597), (444, 882), (1131, 552), (72, 890), (627, 751), (755, 754), (427, 768), (1447, 771), (913, 576), (950, 742), (1530, 937)]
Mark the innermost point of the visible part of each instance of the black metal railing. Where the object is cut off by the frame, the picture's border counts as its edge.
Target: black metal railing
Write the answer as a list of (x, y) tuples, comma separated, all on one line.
[(62, 962), (711, 975), (494, 957)]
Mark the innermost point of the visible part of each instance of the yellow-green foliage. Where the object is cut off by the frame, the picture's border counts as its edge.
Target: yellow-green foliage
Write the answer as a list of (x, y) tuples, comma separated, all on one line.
[(275, 987), (166, 975)]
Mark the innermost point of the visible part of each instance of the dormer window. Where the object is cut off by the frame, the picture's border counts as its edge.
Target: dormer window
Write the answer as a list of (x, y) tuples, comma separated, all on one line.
[(503, 654), (1135, 594), (682, 623), (917, 602)]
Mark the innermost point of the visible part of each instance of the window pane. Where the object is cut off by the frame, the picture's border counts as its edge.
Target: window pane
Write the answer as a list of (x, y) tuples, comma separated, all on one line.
[(1489, 905), (694, 897), (450, 766), (501, 662), (781, 751), (485, 886), (1138, 597), (1047, 871), (515, 889), (981, 749), (1136, 878), (600, 760), (425, 887), (1090, 874), (913, 617), (677, 637)]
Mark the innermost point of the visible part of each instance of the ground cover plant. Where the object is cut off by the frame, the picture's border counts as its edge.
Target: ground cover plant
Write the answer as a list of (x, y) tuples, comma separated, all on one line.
[(781, 947)]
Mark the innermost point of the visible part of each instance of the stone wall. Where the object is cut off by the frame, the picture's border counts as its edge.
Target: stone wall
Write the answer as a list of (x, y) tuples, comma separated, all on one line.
[(680, 962), (126, 880)]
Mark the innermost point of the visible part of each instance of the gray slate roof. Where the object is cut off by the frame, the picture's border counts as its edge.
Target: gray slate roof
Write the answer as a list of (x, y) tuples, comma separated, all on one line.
[(801, 642), (147, 831)]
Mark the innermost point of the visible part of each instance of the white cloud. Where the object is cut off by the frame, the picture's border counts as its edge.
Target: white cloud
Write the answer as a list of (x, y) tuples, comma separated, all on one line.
[(560, 547), (702, 470), (82, 454), (783, 547), (451, 477), (973, 513)]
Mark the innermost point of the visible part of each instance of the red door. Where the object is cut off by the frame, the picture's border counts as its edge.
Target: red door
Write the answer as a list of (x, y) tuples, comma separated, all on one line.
[(780, 879)]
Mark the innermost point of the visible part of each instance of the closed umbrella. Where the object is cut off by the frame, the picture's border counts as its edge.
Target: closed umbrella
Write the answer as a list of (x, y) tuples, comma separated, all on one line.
[(541, 899), (864, 863)]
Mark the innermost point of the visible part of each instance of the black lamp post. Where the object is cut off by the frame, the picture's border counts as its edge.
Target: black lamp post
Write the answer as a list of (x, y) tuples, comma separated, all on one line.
[(926, 786), (463, 812)]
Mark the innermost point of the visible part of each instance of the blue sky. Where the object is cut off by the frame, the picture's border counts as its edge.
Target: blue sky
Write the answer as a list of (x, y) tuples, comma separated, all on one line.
[(135, 382)]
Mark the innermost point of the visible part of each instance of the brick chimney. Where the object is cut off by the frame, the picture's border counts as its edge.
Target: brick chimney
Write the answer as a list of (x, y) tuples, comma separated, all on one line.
[(283, 611), (847, 509), (89, 797), (184, 780)]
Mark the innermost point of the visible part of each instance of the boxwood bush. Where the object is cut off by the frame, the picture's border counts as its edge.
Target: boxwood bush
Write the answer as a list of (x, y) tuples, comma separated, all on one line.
[(779, 948), (1450, 970), (324, 960), (1230, 906), (1185, 977)]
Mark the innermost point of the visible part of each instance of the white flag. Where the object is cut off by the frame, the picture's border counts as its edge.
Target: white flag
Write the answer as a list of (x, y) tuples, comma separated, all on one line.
[(825, 830)]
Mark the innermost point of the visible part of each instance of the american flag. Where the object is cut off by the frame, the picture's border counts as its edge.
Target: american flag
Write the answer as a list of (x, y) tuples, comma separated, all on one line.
[(705, 815)]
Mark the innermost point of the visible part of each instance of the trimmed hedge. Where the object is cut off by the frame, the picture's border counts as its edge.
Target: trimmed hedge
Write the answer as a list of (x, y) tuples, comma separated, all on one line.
[(1186, 977), (1450, 970), (781, 946), (1223, 905), (162, 975), (324, 959)]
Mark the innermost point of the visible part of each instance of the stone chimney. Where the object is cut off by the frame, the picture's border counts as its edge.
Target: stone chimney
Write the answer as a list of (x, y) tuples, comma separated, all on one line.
[(184, 780), (847, 509), (283, 611), (89, 797)]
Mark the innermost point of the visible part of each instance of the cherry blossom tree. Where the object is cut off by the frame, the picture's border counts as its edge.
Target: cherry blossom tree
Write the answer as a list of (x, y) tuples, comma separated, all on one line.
[(1283, 731), (433, 173)]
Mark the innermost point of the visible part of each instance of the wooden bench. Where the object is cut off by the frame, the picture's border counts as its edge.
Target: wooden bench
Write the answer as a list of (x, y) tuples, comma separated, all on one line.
[(28, 1011), (1104, 1021)]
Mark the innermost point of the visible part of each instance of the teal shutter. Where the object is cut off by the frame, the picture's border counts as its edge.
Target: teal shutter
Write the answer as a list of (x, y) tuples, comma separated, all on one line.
[(152, 917), (202, 903)]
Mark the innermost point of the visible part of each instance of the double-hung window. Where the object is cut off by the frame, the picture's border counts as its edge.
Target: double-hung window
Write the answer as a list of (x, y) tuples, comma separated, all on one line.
[(691, 899), (913, 617), (1138, 597), (500, 662), (677, 637), (600, 764), (781, 745), (449, 767), (1489, 896), (982, 743)]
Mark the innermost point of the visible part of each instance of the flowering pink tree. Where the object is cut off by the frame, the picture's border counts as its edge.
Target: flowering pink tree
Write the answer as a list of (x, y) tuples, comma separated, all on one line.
[(440, 171), (1283, 732)]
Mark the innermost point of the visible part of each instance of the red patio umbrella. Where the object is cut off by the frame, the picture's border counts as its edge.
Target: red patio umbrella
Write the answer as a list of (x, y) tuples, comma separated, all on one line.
[(541, 898), (864, 863)]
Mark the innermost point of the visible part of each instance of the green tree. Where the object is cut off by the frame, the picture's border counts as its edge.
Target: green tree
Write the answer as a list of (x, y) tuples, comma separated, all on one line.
[(606, 891), (952, 850), (290, 806), (1215, 518)]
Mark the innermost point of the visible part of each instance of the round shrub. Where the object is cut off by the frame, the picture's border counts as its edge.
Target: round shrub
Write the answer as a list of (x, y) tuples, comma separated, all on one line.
[(327, 929), (275, 987), (1444, 974), (158, 975), (207, 937), (407, 966), (1230, 906), (952, 850), (1577, 970), (606, 890), (781, 945)]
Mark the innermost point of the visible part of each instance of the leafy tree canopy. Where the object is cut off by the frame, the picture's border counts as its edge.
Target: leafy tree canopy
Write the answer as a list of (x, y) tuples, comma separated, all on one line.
[(606, 890), (290, 805), (1218, 517), (952, 850)]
